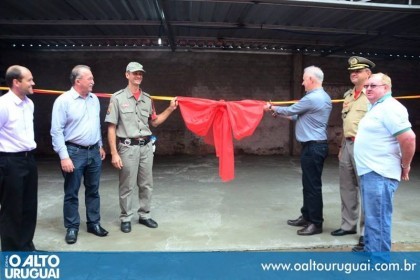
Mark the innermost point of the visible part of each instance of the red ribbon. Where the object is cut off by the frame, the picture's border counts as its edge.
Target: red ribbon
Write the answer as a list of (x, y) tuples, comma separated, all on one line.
[(217, 120)]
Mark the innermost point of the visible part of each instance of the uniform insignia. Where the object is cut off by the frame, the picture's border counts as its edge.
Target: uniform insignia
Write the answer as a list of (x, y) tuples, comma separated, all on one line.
[(109, 109)]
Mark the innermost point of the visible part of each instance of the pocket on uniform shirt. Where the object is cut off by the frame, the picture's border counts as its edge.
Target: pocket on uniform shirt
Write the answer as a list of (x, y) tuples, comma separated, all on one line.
[(127, 113)]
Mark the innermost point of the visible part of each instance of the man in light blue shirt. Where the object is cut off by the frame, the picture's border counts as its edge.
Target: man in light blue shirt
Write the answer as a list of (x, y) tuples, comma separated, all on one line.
[(76, 137), (311, 114)]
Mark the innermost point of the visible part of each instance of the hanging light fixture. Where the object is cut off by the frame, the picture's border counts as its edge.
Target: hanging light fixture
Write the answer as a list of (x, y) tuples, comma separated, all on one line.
[(160, 34)]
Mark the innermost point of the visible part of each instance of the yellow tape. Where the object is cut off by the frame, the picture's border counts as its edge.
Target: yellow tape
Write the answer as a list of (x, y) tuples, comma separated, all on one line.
[(169, 98)]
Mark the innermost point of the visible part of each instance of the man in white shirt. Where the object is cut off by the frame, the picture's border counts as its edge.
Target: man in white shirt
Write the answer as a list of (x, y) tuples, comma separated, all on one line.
[(18, 170)]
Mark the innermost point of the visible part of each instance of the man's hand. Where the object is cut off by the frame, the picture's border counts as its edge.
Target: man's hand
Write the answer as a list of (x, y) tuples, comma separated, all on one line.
[(102, 153), (67, 165), (405, 173), (174, 104), (268, 106), (116, 161)]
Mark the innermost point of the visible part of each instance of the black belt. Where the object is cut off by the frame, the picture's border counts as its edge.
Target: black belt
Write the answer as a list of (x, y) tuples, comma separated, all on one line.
[(18, 154), (141, 141), (82, 147), (315, 142)]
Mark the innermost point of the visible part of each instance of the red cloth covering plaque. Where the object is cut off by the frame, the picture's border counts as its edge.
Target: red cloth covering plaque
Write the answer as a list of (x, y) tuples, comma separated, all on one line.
[(216, 121)]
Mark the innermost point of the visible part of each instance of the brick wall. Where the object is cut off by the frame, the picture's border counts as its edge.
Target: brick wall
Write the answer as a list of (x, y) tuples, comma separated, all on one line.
[(227, 76)]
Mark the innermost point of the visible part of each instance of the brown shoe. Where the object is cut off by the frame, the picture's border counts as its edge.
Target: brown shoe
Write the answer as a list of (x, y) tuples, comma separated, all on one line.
[(299, 222), (310, 229)]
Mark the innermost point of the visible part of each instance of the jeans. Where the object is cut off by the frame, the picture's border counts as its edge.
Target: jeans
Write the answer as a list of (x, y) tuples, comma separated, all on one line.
[(378, 193), (312, 160), (87, 164)]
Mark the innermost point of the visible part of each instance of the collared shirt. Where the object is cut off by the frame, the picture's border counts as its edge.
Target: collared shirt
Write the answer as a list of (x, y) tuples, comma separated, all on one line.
[(75, 119), (16, 124), (376, 147), (311, 114), (353, 111), (131, 116)]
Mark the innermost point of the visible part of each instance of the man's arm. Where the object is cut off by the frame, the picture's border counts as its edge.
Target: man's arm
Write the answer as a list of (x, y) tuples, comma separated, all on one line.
[(112, 141), (165, 114), (58, 122), (407, 141)]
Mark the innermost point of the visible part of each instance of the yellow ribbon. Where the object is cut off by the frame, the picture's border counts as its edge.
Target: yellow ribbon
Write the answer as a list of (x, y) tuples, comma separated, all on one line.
[(169, 98)]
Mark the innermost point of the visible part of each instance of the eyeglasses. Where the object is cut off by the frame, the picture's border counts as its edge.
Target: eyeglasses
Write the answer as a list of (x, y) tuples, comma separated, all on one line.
[(372, 86)]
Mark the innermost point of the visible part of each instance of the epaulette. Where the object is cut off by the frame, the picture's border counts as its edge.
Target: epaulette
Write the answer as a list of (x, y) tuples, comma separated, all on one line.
[(118, 92), (146, 94), (347, 93)]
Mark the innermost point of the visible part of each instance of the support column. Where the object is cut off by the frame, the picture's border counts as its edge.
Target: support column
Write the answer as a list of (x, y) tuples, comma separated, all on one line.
[(296, 93)]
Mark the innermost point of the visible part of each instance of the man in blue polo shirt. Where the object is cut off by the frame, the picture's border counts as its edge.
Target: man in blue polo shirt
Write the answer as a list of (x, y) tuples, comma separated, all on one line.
[(383, 150)]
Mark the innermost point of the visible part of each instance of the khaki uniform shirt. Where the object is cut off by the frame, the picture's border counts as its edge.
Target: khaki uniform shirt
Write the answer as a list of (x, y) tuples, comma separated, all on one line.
[(131, 116), (353, 111)]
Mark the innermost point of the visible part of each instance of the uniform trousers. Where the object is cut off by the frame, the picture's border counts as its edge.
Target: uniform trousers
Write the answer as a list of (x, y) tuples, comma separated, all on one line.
[(137, 171), (18, 200), (350, 190), (87, 164), (312, 159)]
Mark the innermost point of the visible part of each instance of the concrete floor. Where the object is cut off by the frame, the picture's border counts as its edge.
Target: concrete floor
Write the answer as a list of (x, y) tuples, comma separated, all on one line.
[(198, 212)]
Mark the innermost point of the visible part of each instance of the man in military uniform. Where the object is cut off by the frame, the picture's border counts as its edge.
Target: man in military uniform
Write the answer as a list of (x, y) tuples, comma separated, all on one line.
[(128, 116), (354, 108)]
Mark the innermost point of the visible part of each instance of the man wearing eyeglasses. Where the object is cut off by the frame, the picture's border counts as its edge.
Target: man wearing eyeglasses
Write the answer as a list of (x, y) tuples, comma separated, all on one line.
[(383, 151), (354, 108)]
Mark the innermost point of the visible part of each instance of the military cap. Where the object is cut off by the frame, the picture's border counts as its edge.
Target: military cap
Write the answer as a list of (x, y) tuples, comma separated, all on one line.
[(357, 62), (134, 66)]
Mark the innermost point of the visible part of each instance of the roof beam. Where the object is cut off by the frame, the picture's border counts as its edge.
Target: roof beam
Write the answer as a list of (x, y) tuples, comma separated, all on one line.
[(79, 22), (340, 4)]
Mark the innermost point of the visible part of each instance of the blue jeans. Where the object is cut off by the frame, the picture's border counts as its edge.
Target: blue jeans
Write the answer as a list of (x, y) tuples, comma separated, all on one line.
[(87, 164), (377, 193), (312, 160)]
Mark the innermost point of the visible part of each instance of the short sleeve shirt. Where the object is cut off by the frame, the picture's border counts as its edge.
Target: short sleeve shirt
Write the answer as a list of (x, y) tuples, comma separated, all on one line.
[(131, 116), (376, 147), (353, 111)]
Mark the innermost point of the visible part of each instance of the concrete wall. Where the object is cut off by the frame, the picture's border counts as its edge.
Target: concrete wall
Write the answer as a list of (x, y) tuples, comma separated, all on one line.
[(227, 76)]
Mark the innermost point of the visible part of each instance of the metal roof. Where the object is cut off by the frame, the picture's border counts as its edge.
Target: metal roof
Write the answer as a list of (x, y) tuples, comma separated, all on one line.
[(386, 28)]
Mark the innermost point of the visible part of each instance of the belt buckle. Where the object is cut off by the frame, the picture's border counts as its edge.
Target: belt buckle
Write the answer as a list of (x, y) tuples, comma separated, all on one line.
[(127, 141), (142, 142)]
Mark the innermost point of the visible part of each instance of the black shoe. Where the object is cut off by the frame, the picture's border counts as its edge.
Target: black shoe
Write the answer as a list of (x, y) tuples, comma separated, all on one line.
[(341, 232), (361, 241), (310, 229), (97, 230), (299, 222), (148, 223), (71, 235), (358, 249), (125, 227), (39, 251)]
